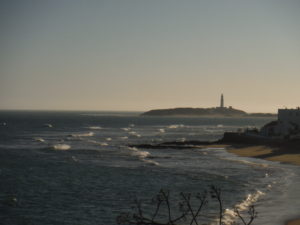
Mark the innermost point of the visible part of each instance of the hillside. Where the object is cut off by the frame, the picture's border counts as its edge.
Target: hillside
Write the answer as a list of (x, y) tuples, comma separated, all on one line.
[(230, 112), (216, 112)]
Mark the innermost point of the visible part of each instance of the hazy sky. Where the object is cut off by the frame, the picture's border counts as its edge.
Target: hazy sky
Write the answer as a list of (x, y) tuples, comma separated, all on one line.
[(145, 54)]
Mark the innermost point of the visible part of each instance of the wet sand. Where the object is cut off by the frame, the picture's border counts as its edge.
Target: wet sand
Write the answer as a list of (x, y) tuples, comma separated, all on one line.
[(289, 154), (282, 154), (294, 222)]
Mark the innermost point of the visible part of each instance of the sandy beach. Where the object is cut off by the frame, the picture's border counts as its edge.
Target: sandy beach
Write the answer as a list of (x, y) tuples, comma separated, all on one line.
[(293, 222), (282, 154)]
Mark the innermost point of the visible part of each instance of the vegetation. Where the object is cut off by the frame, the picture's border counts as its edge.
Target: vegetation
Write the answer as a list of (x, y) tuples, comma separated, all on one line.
[(163, 212)]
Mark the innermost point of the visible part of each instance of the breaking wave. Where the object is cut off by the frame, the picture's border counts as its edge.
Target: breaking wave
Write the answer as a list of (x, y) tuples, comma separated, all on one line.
[(175, 126), (95, 128), (161, 130), (230, 215), (142, 155), (39, 139), (97, 143), (89, 134), (61, 147), (133, 133), (243, 161)]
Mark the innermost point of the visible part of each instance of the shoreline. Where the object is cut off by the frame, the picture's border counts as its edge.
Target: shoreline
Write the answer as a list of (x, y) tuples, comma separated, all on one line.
[(283, 155), (283, 152), (293, 222)]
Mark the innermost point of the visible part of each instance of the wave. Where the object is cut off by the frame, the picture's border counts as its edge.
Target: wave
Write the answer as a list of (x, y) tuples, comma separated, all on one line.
[(230, 215), (124, 138), (181, 139), (39, 139), (126, 128), (89, 134), (264, 165), (97, 143), (162, 130), (142, 155), (74, 159), (151, 162), (108, 139), (95, 128), (136, 152), (61, 147), (175, 126), (133, 133), (48, 125)]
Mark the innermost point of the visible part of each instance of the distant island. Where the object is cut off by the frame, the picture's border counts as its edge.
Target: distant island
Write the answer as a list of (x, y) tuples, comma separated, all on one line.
[(220, 111), (216, 112)]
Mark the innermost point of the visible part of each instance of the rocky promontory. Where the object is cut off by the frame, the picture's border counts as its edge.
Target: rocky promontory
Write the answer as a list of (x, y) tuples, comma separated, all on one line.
[(215, 112)]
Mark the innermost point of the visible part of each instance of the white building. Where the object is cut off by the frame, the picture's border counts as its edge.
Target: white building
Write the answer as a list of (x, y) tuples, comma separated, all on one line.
[(289, 121), (288, 124)]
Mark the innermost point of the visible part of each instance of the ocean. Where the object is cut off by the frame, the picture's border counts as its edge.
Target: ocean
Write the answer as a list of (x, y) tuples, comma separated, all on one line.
[(76, 168)]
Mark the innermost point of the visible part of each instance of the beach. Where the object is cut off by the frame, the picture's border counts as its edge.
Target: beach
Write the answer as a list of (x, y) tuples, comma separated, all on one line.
[(283, 154)]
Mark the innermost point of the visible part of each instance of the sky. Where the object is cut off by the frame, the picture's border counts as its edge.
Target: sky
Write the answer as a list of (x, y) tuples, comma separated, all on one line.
[(137, 55)]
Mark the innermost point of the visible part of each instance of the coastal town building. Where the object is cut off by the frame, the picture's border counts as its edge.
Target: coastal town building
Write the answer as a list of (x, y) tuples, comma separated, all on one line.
[(287, 124)]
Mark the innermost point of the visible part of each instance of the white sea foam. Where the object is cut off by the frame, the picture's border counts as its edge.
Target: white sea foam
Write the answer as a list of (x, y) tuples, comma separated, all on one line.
[(133, 133), (142, 155), (89, 134), (39, 139), (97, 143), (181, 139), (48, 125), (136, 152), (74, 159), (124, 138), (220, 125), (108, 139), (161, 130), (61, 147), (240, 160), (175, 126), (230, 215), (126, 128), (103, 144), (131, 125), (95, 128), (151, 162)]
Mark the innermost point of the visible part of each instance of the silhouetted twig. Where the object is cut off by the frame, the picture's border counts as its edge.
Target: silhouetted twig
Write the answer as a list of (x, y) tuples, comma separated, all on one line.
[(186, 210)]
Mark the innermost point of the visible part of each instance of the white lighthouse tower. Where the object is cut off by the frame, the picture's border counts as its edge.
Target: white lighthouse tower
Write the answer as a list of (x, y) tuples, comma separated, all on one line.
[(222, 101)]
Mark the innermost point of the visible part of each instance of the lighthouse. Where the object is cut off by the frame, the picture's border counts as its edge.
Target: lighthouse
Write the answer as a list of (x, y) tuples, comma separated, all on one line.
[(222, 101)]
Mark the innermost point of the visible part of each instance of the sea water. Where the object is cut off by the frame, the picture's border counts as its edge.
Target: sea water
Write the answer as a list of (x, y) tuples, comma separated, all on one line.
[(77, 168)]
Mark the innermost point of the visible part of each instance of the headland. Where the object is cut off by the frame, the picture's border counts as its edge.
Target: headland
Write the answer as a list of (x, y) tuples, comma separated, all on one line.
[(220, 111), (205, 112)]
